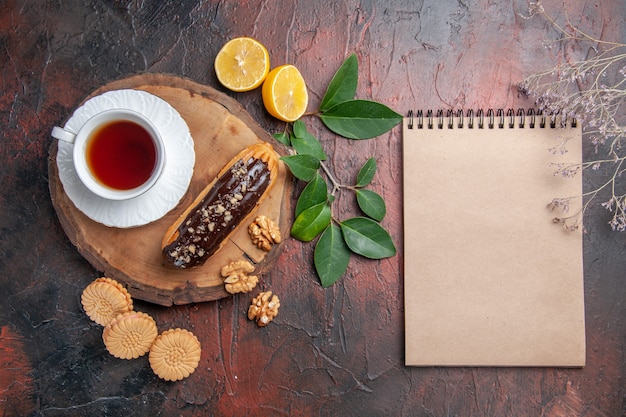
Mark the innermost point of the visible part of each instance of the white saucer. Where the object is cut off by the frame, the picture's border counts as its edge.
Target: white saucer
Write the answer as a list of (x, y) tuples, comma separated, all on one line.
[(168, 190)]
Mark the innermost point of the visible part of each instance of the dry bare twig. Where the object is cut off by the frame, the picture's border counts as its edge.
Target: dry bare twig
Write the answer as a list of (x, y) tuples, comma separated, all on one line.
[(593, 92)]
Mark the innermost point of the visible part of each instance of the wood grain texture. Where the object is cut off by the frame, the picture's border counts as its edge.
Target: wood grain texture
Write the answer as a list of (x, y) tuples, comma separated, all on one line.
[(133, 256), (336, 351)]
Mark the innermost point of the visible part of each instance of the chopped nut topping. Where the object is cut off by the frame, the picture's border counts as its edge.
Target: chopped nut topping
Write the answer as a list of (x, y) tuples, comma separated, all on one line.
[(263, 308), (264, 233), (221, 208), (236, 278)]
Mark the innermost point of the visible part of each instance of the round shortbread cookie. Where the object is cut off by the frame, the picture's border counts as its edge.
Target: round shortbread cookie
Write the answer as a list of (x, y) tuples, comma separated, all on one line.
[(104, 299), (130, 335), (175, 354)]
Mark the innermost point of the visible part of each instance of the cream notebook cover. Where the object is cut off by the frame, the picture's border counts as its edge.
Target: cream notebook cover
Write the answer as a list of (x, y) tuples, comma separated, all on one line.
[(489, 279)]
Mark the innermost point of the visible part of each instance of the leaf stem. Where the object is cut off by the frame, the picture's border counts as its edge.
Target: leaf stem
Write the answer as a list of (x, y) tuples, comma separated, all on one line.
[(336, 185)]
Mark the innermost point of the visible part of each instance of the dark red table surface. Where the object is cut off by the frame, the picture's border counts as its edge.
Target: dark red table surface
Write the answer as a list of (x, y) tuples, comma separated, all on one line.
[(335, 351)]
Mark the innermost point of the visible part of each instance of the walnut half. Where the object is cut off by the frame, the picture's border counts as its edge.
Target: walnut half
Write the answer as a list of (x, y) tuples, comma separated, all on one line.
[(263, 308), (236, 278), (264, 233)]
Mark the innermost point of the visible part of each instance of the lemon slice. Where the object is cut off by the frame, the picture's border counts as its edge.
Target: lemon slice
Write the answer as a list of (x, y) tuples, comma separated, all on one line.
[(242, 64), (284, 93)]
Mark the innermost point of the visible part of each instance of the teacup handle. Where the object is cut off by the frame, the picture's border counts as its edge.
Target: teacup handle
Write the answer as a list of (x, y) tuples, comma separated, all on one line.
[(63, 134)]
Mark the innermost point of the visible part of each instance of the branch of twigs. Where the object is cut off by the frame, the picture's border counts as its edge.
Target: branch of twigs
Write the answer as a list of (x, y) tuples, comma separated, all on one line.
[(593, 92)]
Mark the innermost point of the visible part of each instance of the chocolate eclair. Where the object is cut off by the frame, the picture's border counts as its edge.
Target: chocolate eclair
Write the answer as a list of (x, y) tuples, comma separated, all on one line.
[(221, 207)]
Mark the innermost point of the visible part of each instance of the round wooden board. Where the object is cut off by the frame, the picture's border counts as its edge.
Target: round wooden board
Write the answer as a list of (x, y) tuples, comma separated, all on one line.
[(220, 128)]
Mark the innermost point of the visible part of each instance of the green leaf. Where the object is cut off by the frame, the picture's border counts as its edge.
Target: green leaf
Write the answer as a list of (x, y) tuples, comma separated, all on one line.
[(331, 256), (367, 238), (299, 128), (305, 143), (343, 85), (366, 173), (282, 138), (304, 167), (311, 222), (309, 145), (314, 193), (360, 119), (371, 203)]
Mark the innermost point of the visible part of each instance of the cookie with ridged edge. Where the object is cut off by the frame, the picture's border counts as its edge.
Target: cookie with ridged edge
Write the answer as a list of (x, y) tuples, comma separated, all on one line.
[(104, 299), (175, 354), (130, 335)]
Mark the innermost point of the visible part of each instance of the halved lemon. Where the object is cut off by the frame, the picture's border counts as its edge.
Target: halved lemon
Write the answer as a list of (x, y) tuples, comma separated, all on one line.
[(284, 93), (242, 64)]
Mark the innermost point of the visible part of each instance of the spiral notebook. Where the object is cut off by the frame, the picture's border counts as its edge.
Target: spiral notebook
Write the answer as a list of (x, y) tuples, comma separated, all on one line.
[(490, 279)]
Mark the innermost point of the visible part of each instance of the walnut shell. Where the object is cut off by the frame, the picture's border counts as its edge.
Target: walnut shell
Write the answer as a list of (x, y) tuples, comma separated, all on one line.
[(264, 233), (236, 278), (263, 308)]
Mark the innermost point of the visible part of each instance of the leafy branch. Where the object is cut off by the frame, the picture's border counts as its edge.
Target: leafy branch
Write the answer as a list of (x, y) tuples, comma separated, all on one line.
[(338, 239)]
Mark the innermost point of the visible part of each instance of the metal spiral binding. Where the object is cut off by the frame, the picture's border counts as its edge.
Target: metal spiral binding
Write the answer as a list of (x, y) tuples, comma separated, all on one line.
[(493, 119)]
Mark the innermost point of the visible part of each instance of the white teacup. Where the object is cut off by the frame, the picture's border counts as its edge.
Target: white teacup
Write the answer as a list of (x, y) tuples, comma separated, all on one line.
[(118, 154)]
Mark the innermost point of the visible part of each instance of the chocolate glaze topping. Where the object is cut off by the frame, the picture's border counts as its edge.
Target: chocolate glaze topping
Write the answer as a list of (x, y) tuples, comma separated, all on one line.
[(228, 202)]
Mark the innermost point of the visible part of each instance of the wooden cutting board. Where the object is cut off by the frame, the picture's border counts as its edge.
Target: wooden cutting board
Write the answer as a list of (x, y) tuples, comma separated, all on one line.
[(220, 128)]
